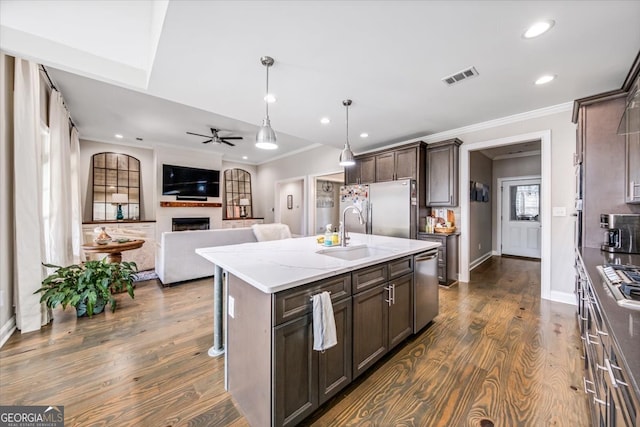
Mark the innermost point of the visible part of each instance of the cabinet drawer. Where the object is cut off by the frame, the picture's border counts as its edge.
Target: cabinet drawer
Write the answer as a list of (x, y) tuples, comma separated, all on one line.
[(400, 267), (296, 302), (369, 277)]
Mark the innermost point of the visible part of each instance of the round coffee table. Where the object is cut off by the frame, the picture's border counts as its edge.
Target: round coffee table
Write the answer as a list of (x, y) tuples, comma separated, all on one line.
[(113, 250)]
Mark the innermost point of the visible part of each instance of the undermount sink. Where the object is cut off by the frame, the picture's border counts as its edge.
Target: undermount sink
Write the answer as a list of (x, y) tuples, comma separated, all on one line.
[(351, 253)]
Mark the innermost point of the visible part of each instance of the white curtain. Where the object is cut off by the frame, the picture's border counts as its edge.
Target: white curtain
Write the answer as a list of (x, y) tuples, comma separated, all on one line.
[(28, 238), (76, 200), (58, 200)]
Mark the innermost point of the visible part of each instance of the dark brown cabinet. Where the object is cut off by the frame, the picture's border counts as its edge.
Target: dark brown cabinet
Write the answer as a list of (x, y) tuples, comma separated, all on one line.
[(363, 172), (405, 162), (397, 164), (630, 124), (295, 372), (447, 256), (400, 309), (370, 328), (385, 167), (382, 312), (442, 173), (304, 378)]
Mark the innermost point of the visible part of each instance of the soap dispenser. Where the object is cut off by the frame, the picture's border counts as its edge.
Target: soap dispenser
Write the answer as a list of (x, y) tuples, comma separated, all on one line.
[(328, 236)]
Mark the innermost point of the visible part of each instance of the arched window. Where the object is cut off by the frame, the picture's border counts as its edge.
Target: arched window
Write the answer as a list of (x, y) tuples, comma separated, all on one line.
[(238, 202), (115, 173)]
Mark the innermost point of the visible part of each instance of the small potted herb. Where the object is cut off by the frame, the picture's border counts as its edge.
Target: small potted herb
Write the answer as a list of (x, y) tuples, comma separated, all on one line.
[(88, 286)]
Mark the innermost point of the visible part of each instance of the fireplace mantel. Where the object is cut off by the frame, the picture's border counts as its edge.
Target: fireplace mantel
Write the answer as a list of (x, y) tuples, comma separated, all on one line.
[(190, 205)]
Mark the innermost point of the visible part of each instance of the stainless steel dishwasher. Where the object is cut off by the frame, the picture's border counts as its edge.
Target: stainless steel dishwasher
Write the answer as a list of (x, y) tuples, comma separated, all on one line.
[(425, 291)]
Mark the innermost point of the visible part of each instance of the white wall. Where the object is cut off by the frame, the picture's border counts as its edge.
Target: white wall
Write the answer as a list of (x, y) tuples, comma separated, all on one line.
[(147, 176), (317, 161), (480, 240), (294, 217)]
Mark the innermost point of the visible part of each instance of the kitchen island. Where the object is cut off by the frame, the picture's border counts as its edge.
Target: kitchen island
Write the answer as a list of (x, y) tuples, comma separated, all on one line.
[(271, 370)]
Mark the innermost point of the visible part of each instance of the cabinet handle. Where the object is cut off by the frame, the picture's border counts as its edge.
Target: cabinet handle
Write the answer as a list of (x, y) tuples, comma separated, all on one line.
[(393, 288), (388, 301)]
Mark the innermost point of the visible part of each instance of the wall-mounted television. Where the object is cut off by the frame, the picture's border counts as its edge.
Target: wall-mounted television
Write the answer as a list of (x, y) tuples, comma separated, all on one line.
[(190, 182)]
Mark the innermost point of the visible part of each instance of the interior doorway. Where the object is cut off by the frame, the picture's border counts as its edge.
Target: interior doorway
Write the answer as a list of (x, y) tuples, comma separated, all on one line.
[(290, 205), (519, 217), (324, 200), (545, 202)]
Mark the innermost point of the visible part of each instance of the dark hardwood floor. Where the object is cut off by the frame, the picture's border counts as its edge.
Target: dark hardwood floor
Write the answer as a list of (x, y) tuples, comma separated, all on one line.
[(496, 355)]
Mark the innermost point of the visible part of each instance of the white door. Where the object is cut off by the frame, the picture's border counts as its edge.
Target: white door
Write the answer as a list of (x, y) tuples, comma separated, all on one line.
[(520, 229)]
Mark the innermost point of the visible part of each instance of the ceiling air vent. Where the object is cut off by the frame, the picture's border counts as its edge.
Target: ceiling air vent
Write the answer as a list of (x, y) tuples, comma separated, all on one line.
[(460, 76)]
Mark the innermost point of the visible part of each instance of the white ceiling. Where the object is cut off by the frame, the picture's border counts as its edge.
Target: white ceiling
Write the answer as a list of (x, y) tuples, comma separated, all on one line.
[(156, 70)]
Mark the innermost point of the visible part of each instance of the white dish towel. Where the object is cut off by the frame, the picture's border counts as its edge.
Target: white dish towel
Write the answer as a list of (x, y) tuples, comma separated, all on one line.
[(324, 325)]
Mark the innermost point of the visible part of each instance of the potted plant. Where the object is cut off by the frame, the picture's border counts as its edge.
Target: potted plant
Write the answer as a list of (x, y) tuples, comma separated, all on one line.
[(88, 286)]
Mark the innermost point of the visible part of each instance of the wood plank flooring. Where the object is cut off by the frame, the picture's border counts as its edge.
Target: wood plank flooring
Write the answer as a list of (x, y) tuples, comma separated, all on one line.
[(496, 355)]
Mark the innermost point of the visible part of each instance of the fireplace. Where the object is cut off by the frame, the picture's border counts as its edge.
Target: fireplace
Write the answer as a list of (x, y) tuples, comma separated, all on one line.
[(183, 224)]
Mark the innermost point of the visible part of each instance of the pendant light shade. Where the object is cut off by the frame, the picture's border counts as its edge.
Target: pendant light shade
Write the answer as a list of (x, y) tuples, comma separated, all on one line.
[(266, 137), (346, 156)]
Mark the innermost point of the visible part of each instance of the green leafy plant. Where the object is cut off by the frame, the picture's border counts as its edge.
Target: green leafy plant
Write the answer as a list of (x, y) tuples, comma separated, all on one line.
[(88, 286)]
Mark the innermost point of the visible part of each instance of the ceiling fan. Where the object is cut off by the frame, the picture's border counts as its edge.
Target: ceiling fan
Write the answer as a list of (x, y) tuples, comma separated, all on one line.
[(214, 137)]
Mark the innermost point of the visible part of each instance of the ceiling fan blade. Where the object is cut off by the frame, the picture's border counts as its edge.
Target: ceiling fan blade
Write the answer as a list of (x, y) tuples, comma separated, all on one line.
[(198, 134), (228, 143), (207, 141), (232, 137)]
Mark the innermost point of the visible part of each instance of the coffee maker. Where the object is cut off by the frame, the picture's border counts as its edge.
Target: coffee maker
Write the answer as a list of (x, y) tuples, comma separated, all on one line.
[(623, 233)]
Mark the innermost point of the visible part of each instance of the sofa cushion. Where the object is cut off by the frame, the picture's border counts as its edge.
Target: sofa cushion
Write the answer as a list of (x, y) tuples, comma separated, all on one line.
[(176, 259)]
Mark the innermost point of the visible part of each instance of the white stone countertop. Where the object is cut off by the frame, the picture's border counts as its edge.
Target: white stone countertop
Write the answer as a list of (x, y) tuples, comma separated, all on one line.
[(278, 265)]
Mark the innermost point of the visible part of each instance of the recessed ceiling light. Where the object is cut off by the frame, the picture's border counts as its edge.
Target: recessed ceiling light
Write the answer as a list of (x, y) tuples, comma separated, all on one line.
[(117, 135), (545, 79), (270, 98), (364, 135), (538, 29), (325, 120), (244, 157)]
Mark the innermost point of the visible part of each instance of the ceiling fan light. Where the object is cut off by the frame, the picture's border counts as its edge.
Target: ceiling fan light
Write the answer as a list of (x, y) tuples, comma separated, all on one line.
[(266, 137), (346, 156)]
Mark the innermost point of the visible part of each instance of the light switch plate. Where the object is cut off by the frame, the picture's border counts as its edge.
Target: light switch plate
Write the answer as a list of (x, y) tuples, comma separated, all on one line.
[(559, 211)]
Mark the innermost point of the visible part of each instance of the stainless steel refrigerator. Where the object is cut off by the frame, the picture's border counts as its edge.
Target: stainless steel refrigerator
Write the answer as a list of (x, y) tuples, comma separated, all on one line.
[(390, 208)]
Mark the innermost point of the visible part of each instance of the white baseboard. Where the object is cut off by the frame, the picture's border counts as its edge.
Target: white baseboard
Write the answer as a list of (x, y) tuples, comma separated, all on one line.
[(563, 297), (480, 260), (7, 330)]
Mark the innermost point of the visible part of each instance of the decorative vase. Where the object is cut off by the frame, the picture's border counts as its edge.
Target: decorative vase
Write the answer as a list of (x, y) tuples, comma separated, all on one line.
[(103, 238)]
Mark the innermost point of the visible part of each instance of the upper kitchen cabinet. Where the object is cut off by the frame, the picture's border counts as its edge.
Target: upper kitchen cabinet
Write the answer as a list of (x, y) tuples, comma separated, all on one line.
[(405, 162), (442, 173), (363, 172), (397, 164), (630, 126)]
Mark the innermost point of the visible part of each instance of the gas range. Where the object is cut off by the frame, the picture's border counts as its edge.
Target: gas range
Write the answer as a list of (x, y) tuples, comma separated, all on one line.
[(624, 283)]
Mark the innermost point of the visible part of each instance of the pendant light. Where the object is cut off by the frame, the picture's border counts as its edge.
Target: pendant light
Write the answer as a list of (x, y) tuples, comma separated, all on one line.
[(346, 157), (266, 137)]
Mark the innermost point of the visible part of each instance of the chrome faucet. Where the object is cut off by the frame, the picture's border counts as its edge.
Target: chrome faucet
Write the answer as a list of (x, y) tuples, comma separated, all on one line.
[(343, 232)]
